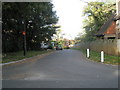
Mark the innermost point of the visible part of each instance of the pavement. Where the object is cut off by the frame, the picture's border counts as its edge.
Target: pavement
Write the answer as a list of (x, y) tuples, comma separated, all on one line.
[(61, 69)]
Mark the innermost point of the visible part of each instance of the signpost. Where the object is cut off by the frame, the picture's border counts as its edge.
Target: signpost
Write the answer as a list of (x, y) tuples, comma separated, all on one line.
[(24, 42), (24, 38)]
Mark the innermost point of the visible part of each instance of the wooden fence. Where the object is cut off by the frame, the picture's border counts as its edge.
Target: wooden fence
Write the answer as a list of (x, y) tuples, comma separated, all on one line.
[(111, 47)]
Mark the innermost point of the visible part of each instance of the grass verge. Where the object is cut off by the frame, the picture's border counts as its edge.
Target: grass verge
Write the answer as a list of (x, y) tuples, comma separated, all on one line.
[(15, 56), (95, 56)]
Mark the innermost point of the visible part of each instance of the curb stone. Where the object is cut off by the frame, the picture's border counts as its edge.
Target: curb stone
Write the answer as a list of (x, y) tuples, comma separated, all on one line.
[(2, 64)]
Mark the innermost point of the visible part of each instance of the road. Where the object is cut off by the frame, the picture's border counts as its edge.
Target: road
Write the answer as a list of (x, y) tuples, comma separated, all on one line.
[(61, 69)]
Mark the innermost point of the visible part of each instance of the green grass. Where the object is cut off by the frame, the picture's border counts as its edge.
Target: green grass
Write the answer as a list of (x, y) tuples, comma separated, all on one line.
[(95, 56), (15, 56)]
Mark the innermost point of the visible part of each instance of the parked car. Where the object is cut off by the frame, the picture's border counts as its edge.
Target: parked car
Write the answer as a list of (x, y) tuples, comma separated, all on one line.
[(59, 47), (44, 46)]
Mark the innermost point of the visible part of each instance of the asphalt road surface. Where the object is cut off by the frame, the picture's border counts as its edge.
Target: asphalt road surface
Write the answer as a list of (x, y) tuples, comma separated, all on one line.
[(61, 69)]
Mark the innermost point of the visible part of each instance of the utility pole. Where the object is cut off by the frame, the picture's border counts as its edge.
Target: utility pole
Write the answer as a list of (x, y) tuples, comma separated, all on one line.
[(118, 25), (118, 16), (118, 6)]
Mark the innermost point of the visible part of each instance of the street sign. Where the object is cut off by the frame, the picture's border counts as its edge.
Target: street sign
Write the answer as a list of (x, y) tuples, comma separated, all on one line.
[(23, 33)]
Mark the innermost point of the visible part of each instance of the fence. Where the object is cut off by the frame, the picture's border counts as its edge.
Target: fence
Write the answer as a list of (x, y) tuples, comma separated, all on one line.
[(111, 47)]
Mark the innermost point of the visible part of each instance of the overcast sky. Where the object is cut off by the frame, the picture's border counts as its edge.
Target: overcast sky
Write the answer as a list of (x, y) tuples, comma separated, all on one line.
[(70, 16)]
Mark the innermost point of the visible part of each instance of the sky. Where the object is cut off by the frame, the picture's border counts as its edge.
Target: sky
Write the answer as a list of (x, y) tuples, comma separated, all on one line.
[(70, 16)]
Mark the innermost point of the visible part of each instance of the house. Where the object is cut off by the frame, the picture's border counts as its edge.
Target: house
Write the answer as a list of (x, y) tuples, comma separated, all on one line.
[(108, 37), (108, 30)]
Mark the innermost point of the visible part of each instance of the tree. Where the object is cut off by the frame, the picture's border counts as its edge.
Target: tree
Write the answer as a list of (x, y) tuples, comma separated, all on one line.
[(97, 13), (38, 18)]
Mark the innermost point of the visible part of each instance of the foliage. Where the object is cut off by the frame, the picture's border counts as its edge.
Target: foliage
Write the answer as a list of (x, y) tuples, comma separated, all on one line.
[(96, 13), (36, 18)]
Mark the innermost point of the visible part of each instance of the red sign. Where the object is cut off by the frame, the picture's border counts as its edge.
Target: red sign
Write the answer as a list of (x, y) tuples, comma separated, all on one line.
[(24, 33)]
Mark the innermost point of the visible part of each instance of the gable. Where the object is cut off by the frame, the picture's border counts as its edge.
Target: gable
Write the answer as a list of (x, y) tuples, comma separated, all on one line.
[(108, 27), (111, 29)]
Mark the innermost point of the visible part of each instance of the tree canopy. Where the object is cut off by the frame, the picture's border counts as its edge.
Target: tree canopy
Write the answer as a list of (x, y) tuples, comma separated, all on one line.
[(37, 18), (96, 13)]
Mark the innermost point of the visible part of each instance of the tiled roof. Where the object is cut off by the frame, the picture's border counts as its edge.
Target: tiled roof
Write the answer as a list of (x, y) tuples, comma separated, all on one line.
[(106, 25)]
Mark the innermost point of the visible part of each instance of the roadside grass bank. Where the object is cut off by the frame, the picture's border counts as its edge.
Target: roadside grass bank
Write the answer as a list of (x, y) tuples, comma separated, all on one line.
[(95, 56), (16, 56)]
